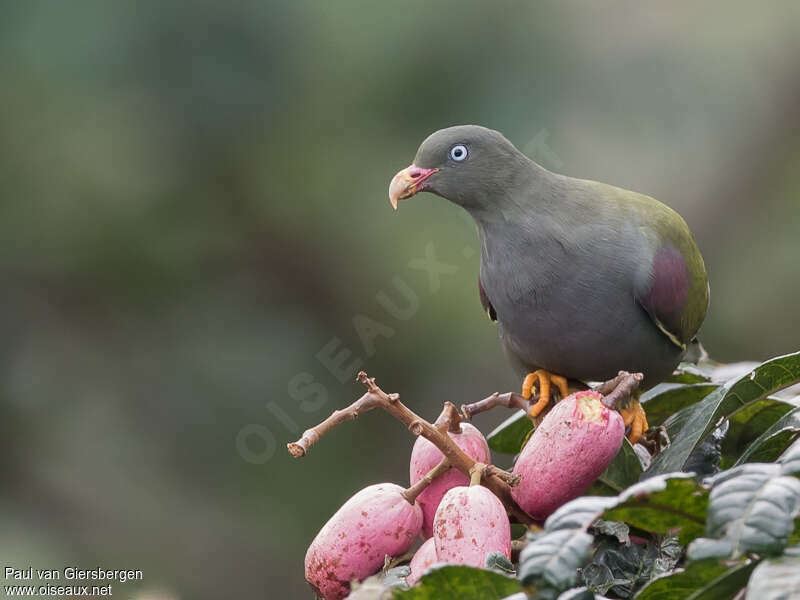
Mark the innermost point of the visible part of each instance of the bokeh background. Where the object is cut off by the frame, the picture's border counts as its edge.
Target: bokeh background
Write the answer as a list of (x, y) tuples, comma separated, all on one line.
[(194, 215)]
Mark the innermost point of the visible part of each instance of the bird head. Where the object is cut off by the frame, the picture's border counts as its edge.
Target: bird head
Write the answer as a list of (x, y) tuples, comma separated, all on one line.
[(464, 164)]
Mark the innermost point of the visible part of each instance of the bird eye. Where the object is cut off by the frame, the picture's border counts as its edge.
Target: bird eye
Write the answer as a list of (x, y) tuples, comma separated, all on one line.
[(458, 152)]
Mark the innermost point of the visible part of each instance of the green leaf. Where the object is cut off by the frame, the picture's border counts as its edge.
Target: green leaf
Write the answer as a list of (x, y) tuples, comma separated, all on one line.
[(580, 593), (775, 440), (618, 569), (664, 504), (751, 509), (615, 529), (624, 470), (551, 559), (579, 513), (790, 459), (747, 425), (510, 435), (497, 561), (688, 373), (703, 580), (689, 426), (776, 578), (460, 581), (664, 400)]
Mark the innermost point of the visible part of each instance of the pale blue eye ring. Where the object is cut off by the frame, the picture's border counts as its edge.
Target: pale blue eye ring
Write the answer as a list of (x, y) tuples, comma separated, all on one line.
[(458, 152)]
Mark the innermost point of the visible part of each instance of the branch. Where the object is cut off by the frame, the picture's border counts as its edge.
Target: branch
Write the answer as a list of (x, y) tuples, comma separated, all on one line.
[(493, 478), (415, 490), (619, 391), (508, 400)]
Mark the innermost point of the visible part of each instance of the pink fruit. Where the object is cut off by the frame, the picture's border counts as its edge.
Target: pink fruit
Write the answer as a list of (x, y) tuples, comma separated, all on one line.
[(470, 523), (376, 522), (425, 456), (569, 450), (423, 558)]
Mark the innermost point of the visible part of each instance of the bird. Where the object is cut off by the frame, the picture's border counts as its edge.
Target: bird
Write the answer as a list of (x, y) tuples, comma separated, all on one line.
[(584, 279)]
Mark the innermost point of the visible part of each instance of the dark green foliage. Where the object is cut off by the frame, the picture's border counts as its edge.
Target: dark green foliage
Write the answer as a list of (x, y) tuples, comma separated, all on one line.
[(705, 460), (663, 505), (666, 399), (777, 438), (703, 580), (465, 583), (777, 578), (619, 569), (747, 425), (751, 509), (550, 562), (688, 428), (687, 530), (510, 435)]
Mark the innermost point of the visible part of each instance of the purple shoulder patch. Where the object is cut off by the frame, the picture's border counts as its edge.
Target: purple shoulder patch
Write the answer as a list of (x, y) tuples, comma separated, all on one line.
[(670, 284)]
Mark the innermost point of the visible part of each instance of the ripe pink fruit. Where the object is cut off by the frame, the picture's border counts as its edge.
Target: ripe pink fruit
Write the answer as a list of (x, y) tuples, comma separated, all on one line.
[(425, 456), (376, 522), (423, 558), (569, 450), (470, 523)]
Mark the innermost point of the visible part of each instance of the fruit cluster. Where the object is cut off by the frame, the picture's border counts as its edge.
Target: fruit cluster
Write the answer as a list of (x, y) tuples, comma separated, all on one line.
[(459, 520)]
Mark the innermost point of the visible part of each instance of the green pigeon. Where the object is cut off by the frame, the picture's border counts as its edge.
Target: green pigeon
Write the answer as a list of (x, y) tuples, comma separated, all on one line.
[(583, 278)]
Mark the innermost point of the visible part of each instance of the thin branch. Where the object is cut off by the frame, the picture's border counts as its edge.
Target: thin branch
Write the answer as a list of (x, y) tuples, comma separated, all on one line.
[(415, 490), (449, 420), (508, 400), (495, 479), (619, 391)]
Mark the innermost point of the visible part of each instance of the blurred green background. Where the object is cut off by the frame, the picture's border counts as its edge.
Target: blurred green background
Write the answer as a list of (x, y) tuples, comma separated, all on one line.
[(194, 212)]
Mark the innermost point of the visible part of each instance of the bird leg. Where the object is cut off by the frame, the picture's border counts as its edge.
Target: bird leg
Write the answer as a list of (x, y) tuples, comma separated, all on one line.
[(545, 378), (634, 417)]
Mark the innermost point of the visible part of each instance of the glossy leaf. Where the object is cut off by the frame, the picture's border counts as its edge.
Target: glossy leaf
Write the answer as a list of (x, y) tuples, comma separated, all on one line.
[(666, 504), (790, 459), (664, 400), (751, 508), (776, 578), (747, 425), (689, 426), (688, 373), (775, 439), (510, 435), (624, 470), (579, 513), (703, 580), (553, 558), (618, 569), (460, 581)]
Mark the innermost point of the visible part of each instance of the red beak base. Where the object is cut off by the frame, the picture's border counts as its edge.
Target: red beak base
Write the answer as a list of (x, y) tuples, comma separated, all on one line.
[(408, 182)]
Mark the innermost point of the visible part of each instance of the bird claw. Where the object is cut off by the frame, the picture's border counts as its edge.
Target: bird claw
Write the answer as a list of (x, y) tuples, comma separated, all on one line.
[(545, 378), (633, 416)]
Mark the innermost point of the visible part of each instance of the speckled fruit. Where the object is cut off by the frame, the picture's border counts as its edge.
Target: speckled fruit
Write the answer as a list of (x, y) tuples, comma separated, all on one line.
[(470, 523), (569, 450), (425, 456), (424, 557), (376, 522)]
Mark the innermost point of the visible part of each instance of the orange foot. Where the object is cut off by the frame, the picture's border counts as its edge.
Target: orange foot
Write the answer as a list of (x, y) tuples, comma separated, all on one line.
[(545, 378), (633, 416)]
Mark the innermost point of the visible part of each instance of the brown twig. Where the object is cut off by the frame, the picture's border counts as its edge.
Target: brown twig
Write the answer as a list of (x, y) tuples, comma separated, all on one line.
[(415, 490), (450, 419), (377, 398), (619, 391), (508, 400)]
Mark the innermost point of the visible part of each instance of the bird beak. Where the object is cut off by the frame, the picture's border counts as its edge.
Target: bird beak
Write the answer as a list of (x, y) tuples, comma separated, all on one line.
[(408, 182)]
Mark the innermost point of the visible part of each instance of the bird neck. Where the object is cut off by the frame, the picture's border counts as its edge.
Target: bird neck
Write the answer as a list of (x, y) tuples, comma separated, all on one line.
[(522, 194)]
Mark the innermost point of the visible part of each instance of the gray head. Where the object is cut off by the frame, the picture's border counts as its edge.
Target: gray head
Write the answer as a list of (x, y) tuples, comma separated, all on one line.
[(467, 164)]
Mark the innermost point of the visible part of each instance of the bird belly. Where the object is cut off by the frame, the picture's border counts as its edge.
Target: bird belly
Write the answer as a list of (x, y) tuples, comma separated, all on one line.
[(587, 337)]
